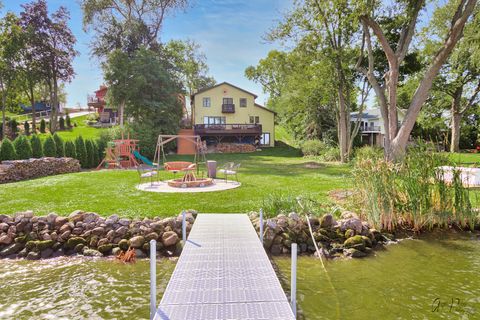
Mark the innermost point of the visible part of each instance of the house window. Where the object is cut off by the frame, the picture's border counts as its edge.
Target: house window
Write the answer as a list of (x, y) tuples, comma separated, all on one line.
[(206, 102), (214, 120), (254, 119), (243, 102), (265, 139), (227, 100)]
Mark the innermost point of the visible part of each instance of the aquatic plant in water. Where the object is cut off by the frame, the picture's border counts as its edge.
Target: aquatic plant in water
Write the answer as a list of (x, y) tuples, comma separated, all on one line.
[(411, 193)]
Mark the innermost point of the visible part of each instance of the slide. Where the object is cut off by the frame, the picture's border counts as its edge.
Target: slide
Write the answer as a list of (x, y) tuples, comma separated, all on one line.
[(145, 160)]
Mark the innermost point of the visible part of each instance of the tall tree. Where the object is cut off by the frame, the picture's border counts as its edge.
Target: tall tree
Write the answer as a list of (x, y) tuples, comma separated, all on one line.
[(190, 65), (55, 48), (459, 78), (331, 27), (396, 137), (10, 45)]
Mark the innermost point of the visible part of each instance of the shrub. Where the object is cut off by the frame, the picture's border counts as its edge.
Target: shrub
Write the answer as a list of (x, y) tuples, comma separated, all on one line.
[(49, 147), (26, 128), (68, 121), (7, 150), (277, 203), (81, 152), (96, 157), (90, 151), (23, 147), (368, 152), (37, 149), (70, 150), (43, 126), (61, 123), (331, 154), (313, 148), (60, 145)]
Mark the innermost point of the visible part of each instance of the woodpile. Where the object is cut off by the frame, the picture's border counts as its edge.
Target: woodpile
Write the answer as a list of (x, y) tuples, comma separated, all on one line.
[(234, 148), (17, 170)]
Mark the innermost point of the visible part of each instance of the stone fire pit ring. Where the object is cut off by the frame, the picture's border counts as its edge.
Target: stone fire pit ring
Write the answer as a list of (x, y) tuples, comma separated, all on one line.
[(164, 187), (198, 183)]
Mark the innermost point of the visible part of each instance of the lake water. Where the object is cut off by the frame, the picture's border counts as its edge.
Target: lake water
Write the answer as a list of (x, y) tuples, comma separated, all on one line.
[(415, 279)]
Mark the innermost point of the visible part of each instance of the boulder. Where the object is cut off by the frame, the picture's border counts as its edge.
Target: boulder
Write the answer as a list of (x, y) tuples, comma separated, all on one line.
[(116, 251), (6, 239), (92, 253), (102, 242), (105, 249), (51, 217), (354, 253), (169, 238), (11, 249), (137, 242), (32, 255), (327, 221), (356, 242), (60, 221), (151, 236), (98, 231), (73, 241), (123, 244), (79, 248), (47, 253), (140, 254)]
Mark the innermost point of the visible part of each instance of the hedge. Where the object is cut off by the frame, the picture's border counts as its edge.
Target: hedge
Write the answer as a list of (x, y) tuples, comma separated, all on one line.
[(7, 150), (60, 145), (23, 147), (81, 152), (49, 147), (37, 149), (70, 150)]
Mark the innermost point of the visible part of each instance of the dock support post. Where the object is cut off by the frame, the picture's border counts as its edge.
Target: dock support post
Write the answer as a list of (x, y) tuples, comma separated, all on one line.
[(153, 278), (184, 227), (293, 280), (261, 226)]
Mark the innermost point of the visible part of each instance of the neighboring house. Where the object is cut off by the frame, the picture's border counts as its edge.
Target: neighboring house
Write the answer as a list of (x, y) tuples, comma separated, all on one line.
[(108, 114), (372, 130), (39, 107), (226, 113)]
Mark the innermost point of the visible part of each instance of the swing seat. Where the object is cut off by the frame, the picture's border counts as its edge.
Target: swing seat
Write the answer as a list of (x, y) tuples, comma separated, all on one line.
[(176, 166)]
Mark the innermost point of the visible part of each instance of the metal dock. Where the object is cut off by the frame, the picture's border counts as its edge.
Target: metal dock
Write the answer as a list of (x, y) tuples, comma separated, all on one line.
[(223, 273)]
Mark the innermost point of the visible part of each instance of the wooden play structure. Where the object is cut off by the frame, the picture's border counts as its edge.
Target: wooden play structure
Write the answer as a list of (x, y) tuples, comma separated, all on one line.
[(121, 154)]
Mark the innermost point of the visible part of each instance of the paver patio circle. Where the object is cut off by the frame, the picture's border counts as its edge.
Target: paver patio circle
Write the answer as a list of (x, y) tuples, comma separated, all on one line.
[(163, 187)]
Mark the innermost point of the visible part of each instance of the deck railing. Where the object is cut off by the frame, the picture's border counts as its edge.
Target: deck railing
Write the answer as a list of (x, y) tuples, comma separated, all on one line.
[(370, 129), (231, 128)]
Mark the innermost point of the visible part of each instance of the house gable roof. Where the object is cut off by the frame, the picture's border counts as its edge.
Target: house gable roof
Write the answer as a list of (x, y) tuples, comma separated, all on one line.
[(260, 106), (218, 85)]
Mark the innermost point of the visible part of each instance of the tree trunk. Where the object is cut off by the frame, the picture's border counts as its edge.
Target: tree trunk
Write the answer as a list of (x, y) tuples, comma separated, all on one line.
[(53, 118), (121, 111), (456, 119), (343, 132), (4, 103), (34, 116)]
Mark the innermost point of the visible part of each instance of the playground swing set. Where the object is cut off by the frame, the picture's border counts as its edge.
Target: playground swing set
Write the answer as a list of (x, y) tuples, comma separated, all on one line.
[(125, 154)]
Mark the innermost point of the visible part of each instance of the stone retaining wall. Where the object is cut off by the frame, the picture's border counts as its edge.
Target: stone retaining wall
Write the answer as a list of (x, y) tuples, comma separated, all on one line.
[(24, 235), (27, 236), (17, 170)]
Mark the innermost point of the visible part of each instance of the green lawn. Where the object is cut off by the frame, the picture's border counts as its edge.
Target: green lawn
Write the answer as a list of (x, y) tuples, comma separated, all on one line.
[(82, 129), (468, 158), (278, 170)]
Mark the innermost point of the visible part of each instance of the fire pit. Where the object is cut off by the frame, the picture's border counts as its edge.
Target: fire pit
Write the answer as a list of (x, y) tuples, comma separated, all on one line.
[(189, 180), (197, 183)]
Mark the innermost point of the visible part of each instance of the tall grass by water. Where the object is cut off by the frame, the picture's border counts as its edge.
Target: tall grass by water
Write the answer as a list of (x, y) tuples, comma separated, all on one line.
[(411, 193)]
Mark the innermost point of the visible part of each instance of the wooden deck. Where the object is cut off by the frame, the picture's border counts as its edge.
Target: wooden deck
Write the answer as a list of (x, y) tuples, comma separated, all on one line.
[(224, 273)]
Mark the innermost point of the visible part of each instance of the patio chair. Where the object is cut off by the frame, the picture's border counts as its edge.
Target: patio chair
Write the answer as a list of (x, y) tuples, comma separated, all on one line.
[(230, 169), (146, 172)]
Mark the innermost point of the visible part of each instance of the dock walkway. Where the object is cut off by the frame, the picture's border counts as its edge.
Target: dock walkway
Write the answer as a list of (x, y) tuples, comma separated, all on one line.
[(224, 273)]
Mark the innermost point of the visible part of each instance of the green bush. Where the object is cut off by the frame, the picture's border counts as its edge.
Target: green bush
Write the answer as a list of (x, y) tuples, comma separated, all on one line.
[(61, 123), (26, 128), (68, 121), (60, 145), (23, 147), (37, 149), (314, 148), (90, 153), (43, 126), (81, 152), (49, 147), (368, 152), (96, 157), (7, 150), (70, 150), (331, 154)]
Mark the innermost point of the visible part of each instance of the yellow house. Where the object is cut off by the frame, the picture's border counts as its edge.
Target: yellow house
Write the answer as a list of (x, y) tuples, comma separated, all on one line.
[(226, 113)]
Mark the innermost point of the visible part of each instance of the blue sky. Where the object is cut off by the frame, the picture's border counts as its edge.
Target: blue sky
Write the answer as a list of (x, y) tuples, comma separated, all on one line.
[(229, 32)]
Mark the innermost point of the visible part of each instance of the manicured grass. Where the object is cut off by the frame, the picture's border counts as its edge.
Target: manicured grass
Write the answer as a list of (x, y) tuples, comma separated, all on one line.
[(277, 170), (469, 158), (82, 129)]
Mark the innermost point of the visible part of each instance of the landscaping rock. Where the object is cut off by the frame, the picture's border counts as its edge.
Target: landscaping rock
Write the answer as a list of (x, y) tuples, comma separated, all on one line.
[(92, 253), (123, 244), (354, 253), (137, 242), (6, 239), (140, 254), (169, 238), (105, 249), (47, 253), (11, 249), (327, 221), (32, 255), (72, 242)]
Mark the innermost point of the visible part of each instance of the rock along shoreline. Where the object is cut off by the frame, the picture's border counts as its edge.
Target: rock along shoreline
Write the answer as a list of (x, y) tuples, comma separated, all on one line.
[(25, 235)]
